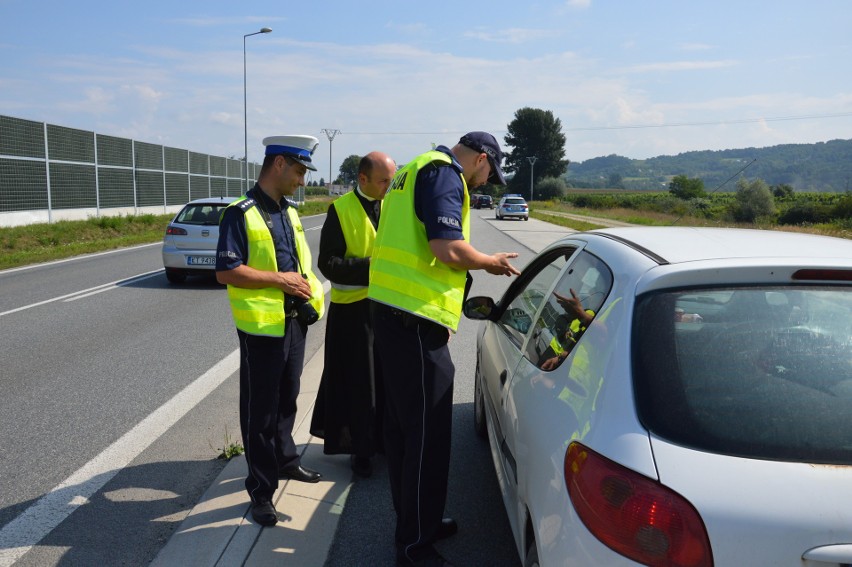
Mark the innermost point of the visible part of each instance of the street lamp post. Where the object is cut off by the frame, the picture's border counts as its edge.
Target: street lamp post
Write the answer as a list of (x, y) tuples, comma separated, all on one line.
[(330, 133), (245, 105), (531, 159)]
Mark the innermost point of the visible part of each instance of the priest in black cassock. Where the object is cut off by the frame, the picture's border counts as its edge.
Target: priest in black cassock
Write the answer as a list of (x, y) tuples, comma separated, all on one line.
[(348, 410)]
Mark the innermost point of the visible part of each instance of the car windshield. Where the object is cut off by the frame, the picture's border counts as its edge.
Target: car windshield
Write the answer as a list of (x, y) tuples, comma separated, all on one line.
[(753, 372), (202, 213)]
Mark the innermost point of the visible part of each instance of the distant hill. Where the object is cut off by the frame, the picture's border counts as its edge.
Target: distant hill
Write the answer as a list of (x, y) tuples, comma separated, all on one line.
[(824, 166)]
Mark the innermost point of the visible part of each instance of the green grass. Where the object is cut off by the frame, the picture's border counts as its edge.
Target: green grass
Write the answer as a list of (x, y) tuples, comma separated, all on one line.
[(43, 242), (564, 221), (30, 244)]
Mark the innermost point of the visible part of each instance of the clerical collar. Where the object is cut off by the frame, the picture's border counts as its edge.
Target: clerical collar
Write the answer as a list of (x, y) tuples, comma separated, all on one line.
[(363, 195)]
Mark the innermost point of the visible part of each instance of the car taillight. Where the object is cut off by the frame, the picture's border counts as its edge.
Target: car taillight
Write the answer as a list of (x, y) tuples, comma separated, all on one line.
[(174, 230), (634, 515)]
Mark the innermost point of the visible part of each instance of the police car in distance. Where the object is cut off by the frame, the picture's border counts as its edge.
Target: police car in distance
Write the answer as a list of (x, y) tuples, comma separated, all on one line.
[(512, 205), (189, 245), (673, 396)]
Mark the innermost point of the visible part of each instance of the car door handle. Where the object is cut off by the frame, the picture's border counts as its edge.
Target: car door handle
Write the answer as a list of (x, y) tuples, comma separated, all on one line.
[(503, 376)]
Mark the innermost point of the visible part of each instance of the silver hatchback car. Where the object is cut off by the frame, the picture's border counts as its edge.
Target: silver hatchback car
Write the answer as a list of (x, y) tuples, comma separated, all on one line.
[(189, 245), (673, 396)]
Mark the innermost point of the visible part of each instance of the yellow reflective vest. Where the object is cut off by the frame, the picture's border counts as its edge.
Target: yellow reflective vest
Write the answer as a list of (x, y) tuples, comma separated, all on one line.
[(360, 235), (403, 271), (261, 311)]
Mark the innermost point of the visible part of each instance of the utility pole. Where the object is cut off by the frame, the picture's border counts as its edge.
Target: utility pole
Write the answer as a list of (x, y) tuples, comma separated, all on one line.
[(330, 133), (531, 159)]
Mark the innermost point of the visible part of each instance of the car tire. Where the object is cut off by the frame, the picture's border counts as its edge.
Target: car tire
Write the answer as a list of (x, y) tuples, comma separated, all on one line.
[(479, 424), (526, 218), (531, 559), (175, 276)]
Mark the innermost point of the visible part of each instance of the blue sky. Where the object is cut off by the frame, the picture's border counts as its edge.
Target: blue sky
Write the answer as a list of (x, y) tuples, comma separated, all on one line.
[(634, 78)]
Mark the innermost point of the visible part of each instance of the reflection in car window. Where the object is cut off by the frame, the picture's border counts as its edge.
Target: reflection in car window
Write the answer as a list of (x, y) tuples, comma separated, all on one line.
[(518, 316), (576, 299), (753, 372), (205, 214)]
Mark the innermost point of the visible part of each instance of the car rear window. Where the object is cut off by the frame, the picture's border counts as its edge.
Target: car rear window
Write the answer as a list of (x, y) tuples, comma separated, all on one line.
[(753, 372), (515, 202), (204, 213)]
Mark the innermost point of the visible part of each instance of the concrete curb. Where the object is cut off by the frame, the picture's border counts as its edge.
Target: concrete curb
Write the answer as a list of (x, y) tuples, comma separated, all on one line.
[(219, 531)]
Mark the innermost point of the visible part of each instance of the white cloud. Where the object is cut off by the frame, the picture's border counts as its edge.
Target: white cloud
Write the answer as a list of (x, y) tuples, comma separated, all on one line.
[(579, 3), (512, 35), (675, 66)]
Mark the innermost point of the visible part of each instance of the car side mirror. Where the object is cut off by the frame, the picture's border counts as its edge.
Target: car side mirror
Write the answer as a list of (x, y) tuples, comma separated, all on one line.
[(478, 308)]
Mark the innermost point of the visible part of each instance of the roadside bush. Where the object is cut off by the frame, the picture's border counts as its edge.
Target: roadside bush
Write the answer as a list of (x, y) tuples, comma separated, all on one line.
[(805, 213), (550, 188), (753, 201), (684, 187), (843, 208)]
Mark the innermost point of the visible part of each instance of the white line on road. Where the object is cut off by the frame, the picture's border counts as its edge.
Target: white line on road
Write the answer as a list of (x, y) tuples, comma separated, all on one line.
[(21, 534), (76, 258), (120, 284), (96, 289)]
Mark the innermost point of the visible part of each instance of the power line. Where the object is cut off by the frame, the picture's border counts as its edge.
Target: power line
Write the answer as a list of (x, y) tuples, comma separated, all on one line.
[(632, 127)]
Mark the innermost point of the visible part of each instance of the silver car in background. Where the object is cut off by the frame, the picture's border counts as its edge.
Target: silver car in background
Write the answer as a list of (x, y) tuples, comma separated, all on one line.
[(512, 205), (189, 245), (695, 410)]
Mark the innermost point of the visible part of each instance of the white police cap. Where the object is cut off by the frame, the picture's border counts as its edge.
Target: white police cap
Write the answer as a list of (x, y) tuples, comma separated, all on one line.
[(299, 148)]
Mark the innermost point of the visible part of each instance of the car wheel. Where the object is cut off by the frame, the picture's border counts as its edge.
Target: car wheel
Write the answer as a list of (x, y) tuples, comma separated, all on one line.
[(479, 424), (175, 276), (526, 218), (532, 556)]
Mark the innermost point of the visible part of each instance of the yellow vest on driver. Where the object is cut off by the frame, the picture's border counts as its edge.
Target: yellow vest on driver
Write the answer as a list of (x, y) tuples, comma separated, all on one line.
[(360, 234), (261, 311), (403, 271)]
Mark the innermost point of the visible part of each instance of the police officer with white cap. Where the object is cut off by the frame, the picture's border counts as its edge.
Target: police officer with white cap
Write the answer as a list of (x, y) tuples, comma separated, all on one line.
[(265, 261)]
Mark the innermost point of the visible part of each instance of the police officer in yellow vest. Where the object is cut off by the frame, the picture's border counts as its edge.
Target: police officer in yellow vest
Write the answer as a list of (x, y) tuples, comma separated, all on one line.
[(265, 261), (418, 277), (348, 410)]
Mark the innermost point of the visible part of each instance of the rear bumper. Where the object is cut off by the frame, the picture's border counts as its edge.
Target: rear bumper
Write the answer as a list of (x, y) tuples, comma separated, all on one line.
[(174, 258)]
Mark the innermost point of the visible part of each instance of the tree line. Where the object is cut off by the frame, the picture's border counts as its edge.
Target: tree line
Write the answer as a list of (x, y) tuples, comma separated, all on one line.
[(536, 164)]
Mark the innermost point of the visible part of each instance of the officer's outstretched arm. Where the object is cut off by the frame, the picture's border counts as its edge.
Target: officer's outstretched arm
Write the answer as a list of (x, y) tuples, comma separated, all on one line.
[(461, 255)]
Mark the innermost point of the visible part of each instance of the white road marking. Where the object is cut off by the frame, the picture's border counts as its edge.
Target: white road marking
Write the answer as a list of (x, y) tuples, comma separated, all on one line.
[(89, 291), (134, 279), (76, 258), (21, 534)]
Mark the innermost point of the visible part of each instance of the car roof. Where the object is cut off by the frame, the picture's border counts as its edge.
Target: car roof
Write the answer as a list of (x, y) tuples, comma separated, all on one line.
[(688, 244), (213, 200)]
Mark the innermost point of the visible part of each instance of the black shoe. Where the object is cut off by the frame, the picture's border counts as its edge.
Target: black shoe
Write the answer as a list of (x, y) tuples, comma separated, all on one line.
[(300, 473), (432, 559), (361, 466), (448, 528), (264, 513)]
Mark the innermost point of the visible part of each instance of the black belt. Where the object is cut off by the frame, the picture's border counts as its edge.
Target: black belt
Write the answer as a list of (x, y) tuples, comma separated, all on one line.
[(407, 318)]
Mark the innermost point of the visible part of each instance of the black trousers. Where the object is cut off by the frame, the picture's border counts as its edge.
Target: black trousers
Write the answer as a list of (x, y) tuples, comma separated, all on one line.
[(418, 377), (349, 408), (270, 374)]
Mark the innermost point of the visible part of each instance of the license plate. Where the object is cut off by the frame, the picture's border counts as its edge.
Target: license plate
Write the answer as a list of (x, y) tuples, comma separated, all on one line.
[(201, 260)]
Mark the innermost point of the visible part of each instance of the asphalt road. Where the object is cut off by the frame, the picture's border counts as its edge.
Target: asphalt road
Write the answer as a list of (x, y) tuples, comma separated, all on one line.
[(119, 388)]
